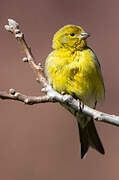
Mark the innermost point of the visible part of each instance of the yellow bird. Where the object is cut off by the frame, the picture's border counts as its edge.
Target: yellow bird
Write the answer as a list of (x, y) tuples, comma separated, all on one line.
[(73, 68)]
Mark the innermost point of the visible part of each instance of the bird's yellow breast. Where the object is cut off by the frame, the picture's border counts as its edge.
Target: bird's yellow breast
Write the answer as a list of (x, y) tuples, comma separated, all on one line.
[(76, 73)]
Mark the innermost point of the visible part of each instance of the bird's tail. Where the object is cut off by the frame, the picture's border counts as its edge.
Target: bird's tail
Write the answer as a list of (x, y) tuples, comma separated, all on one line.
[(88, 135)]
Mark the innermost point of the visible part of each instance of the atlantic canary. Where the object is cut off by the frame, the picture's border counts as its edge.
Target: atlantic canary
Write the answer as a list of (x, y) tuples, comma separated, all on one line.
[(73, 68)]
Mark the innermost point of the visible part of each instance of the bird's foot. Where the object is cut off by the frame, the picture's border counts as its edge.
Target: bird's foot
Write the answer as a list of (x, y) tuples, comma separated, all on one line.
[(80, 105)]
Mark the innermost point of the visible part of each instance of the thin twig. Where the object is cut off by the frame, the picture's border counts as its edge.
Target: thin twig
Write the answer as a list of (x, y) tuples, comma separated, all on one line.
[(17, 96), (13, 27)]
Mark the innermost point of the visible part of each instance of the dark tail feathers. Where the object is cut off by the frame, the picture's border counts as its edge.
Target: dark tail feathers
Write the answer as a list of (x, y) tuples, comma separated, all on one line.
[(89, 137)]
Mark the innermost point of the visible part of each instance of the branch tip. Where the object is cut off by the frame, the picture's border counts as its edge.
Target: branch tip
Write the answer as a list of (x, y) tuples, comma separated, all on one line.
[(40, 66), (17, 31), (16, 94), (26, 101), (13, 23), (19, 35), (25, 59), (44, 90), (12, 91), (7, 27)]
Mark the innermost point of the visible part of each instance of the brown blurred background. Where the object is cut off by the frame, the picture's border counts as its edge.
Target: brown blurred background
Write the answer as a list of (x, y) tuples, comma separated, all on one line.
[(41, 141)]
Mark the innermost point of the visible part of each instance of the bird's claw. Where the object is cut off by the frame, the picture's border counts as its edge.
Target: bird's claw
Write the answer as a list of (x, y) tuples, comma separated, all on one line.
[(80, 105)]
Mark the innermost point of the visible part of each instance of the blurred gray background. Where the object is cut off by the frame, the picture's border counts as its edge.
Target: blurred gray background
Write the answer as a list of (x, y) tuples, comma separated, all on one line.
[(41, 141)]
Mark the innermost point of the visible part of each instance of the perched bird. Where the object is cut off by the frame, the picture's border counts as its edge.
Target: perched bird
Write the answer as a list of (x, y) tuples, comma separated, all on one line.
[(73, 68)]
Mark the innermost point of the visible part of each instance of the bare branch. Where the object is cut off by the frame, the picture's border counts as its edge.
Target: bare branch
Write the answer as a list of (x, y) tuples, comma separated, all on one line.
[(17, 96), (51, 94), (13, 27)]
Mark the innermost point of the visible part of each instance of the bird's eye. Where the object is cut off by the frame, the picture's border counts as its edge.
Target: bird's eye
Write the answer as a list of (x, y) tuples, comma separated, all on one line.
[(72, 34)]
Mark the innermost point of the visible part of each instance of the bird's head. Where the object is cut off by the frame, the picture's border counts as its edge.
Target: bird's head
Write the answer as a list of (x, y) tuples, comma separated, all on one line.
[(70, 36)]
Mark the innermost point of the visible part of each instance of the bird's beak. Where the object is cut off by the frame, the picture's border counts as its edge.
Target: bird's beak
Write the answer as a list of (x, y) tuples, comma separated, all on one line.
[(84, 35)]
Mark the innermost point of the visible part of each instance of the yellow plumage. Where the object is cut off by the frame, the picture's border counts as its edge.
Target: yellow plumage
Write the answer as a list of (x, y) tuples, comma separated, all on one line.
[(72, 68)]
